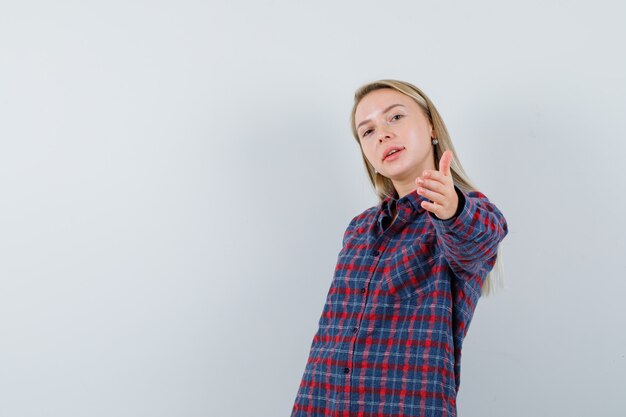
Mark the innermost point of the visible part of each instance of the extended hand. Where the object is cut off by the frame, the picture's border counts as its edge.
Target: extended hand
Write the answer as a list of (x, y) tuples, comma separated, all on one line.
[(438, 187)]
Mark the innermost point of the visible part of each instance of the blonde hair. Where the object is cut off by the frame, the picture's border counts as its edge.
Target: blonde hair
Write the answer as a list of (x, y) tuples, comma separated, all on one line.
[(383, 185)]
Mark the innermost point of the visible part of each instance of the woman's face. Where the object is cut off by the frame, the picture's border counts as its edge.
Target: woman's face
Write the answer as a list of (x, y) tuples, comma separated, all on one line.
[(386, 118)]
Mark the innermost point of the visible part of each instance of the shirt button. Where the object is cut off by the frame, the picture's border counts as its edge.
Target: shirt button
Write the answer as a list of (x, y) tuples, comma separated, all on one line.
[(362, 290), (356, 329), (375, 253), (346, 370)]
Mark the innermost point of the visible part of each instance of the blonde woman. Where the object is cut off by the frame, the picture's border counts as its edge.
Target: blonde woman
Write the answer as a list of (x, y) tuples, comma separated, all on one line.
[(410, 271)]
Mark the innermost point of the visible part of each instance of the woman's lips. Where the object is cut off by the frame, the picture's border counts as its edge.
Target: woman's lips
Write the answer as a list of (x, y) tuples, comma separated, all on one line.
[(393, 155)]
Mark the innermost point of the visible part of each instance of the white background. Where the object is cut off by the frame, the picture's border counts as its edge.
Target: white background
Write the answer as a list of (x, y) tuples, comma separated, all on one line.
[(176, 177)]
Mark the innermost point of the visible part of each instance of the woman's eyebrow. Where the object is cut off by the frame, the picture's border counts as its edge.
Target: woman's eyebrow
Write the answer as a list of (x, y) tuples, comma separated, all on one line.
[(384, 111)]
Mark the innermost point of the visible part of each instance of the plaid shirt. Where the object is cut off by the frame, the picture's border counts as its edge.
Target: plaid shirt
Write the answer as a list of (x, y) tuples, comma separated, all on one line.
[(398, 308)]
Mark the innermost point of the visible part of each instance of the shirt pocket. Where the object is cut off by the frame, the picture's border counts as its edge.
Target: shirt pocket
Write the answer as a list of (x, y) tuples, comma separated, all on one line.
[(411, 272)]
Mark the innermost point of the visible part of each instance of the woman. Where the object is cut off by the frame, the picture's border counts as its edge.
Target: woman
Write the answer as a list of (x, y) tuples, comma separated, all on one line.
[(410, 271)]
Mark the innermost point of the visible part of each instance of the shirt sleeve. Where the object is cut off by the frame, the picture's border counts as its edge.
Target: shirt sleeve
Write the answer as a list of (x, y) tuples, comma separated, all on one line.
[(469, 244), (471, 237)]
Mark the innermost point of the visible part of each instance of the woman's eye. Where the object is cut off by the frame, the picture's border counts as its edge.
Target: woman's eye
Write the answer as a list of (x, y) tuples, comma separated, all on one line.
[(396, 115)]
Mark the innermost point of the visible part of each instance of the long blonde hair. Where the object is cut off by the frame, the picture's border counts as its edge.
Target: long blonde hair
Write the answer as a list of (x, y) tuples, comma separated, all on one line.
[(383, 185)]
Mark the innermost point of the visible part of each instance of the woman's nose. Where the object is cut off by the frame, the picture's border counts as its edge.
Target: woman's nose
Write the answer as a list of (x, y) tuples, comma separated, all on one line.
[(383, 133)]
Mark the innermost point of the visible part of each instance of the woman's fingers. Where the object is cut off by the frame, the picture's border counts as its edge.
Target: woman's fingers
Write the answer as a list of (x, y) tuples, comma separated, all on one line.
[(431, 185), (431, 195), (438, 188), (436, 176), (432, 207), (445, 162)]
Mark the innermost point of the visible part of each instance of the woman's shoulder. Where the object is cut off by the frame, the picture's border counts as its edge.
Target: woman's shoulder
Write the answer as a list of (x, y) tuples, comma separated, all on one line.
[(365, 217), (361, 222)]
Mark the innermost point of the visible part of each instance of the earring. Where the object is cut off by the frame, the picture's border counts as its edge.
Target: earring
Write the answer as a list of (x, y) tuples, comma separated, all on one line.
[(435, 141)]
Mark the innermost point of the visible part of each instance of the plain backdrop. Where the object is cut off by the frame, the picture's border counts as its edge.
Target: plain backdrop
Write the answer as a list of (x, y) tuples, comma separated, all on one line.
[(176, 177)]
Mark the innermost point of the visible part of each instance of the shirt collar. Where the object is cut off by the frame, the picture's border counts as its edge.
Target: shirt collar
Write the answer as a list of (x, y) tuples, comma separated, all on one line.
[(412, 200)]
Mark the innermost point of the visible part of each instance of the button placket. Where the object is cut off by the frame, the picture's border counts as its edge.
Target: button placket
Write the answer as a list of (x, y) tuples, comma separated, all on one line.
[(376, 251)]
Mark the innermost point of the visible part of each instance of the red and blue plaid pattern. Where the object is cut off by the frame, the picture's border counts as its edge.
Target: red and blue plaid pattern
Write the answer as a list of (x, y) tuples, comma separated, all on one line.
[(398, 308)]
